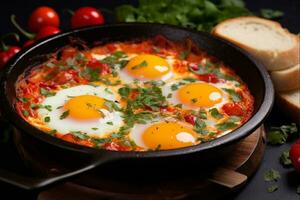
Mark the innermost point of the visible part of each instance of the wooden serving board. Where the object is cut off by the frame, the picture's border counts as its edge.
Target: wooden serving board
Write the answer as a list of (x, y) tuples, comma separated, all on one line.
[(185, 183)]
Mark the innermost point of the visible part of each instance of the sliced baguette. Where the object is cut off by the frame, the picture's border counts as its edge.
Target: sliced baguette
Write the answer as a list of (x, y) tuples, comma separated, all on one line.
[(266, 40), (289, 103), (286, 80)]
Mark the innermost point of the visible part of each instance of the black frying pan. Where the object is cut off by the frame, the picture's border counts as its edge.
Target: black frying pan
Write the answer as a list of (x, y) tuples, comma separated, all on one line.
[(251, 72)]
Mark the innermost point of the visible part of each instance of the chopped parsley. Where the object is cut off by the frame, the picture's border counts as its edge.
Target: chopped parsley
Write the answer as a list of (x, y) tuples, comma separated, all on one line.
[(200, 126), (80, 135), (109, 123), (124, 91), (279, 135), (183, 55), (271, 175), (272, 188), (138, 66), (271, 14), (94, 129), (285, 159), (25, 113), (64, 115), (228, 124), (46, 93), (215, 113), (47, 119), (236, 97)]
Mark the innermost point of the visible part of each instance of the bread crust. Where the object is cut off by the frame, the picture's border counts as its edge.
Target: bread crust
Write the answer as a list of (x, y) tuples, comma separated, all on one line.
[(272, 60), (288, 107), (286, 80)]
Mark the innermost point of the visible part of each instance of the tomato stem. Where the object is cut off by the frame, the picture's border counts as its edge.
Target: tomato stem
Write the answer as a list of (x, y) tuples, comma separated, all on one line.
[(3, 46), (68, 11), (30, 36)]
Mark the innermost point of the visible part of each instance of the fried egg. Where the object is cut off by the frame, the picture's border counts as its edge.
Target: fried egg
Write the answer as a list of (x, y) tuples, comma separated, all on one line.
[(81, 108), (166, 134), (195, 95), (146, 67)]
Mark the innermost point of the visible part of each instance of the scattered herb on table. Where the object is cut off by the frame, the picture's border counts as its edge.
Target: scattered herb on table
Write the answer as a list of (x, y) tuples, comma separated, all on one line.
[(279, 135), (271, 175), (285, 159), (272, 188), (271, 14)]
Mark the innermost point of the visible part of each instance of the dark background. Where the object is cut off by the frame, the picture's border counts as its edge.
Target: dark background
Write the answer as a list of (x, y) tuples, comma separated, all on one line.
[(256, 187)]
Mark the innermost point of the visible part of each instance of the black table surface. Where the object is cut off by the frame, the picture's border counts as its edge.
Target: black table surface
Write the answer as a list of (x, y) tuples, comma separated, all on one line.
[(256, 188)]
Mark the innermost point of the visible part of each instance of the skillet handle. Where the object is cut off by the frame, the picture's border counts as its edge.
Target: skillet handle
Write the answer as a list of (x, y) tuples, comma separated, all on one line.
[(30, 183)]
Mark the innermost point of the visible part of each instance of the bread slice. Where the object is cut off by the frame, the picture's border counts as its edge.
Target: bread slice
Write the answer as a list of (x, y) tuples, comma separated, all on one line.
[(266, 40), (289, 103), (286, 80)]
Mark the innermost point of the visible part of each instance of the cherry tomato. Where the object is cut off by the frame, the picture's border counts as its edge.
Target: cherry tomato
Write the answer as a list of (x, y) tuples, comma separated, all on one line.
[(232, 109), (295, 155), (47, 31), (86, 16), (41, 17), (28, 43), (210, 78), (8, 54)]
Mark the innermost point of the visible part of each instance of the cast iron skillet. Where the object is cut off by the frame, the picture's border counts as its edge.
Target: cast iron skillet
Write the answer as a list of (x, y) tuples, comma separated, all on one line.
[(252, 72)]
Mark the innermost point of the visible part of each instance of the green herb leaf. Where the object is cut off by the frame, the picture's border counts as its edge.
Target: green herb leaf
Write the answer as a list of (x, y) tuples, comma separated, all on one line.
[(229, 124), (285, 159), (111, 106), (271, 175), (80, 135), (64, 114), (52, 132), (271, 14), (298, 189), (200, 126), (183, 55), (124, 91), (47, 119), (272, 188), (279, 135), (46, 93), (142, 64), (215, 113), (236, 97), (24, 99), (25, 113)]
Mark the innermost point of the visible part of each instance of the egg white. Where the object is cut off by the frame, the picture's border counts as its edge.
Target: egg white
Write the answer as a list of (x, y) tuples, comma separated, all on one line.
[(97, 128)]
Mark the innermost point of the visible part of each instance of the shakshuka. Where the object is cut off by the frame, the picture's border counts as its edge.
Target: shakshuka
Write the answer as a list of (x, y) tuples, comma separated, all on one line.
[(151, 94)]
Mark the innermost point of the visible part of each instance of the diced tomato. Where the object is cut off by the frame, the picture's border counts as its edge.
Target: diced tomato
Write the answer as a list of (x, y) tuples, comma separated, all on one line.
[(113, 146), (85, 143), (48, 86), (68, 53), (190, 119), (233, 109), (168, 108), (193, 66), (104, 68), (62, 77), (69, 138), (210, 78), (111, 47)]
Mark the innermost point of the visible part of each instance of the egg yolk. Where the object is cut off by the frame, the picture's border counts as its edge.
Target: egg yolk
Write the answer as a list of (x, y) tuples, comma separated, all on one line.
[(85, 107), (148, 67), (199, 95), (168, 135)]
